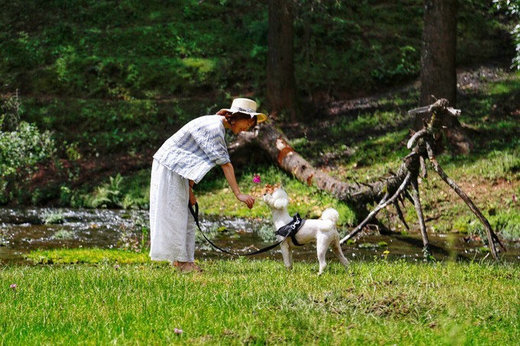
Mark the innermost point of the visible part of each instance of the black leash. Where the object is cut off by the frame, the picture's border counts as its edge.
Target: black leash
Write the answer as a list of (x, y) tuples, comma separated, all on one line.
[(195, 214)]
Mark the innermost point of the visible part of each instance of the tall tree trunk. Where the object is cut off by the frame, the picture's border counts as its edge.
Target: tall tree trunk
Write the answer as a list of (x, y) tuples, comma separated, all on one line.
[(438, 74), (281, 91), (438, 69)]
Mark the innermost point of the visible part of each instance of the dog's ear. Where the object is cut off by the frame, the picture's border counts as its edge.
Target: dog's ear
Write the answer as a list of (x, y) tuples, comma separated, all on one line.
[(281, 203)]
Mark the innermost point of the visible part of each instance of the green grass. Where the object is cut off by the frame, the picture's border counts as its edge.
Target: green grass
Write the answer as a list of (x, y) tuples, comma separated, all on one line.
[(87, 256), (258, 302)]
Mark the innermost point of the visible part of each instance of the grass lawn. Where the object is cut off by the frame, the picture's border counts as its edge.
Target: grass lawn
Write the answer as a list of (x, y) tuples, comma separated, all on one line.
[(258, 302)]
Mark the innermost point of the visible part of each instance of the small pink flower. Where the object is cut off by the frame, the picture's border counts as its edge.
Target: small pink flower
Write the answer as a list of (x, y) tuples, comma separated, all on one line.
[(13, 286), (256, 179), (177, 331)]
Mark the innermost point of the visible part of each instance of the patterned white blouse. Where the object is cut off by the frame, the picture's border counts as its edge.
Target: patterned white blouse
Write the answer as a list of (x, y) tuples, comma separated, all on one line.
[(196, 148)]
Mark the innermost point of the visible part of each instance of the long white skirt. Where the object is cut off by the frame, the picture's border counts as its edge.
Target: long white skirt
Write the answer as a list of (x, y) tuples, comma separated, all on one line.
[(172, 227)]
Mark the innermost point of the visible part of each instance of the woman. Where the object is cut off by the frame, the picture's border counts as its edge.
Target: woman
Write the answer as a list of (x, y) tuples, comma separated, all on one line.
[(181, 162)]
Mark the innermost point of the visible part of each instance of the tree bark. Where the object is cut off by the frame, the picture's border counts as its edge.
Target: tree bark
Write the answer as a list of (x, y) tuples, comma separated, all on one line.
[(281, 85), (438, 74), (438, 66)]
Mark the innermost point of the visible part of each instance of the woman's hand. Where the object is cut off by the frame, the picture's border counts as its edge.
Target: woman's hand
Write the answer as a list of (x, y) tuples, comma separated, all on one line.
[(248, 200)]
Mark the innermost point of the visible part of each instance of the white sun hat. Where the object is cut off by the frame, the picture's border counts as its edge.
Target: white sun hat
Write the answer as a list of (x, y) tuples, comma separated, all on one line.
[(247, 106)]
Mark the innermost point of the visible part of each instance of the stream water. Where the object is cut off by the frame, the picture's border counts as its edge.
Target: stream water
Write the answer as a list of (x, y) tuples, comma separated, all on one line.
[(23, 230)]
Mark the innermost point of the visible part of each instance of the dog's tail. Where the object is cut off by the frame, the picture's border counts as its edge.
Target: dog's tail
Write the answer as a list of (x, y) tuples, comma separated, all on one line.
[(330, 214)]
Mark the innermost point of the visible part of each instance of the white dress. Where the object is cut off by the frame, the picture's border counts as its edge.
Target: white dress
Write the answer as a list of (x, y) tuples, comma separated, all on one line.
[(172, 227), (187, 155)]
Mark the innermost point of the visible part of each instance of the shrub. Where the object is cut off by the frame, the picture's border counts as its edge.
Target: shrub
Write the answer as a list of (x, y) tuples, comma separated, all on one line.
[(513, 9), (108, 195), (22, 147)]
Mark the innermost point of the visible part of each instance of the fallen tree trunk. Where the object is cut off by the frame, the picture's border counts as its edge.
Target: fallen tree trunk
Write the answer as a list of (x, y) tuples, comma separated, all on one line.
[(276, 145)]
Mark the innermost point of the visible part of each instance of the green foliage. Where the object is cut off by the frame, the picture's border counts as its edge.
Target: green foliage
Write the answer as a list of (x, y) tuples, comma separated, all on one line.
[(63, 234), (97, 126), (22, 147), (130, 192), (125, 53), (11, 109), (72, 151), (107, 195), (266, 233), (53, 218), (129, 50), (136, 190), (505, 221), (407, 65), (512, 8)]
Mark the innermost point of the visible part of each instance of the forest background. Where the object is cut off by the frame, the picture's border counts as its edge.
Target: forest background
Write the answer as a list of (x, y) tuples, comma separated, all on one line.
[(91, 89)]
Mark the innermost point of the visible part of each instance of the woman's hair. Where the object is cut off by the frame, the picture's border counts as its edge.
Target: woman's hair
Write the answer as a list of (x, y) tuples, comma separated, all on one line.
[(234, 117)]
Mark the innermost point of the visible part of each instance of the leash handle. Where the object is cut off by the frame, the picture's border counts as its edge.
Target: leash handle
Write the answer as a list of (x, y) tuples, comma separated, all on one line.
[(194, 210)]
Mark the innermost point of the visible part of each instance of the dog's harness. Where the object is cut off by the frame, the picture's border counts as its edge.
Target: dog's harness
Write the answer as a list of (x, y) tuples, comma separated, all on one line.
[(297, 223), (291, 229)]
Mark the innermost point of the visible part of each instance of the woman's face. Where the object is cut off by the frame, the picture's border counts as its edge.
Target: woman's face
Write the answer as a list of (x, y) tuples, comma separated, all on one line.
[(242, 125)]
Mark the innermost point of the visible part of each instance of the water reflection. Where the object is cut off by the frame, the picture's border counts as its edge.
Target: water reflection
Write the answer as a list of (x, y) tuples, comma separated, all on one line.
[(23, 230)]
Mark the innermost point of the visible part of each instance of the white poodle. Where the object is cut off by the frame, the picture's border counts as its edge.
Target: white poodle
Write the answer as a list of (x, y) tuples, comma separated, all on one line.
[(322, 231)]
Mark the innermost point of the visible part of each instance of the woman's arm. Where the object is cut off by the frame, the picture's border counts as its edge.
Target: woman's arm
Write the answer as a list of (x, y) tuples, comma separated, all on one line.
[(229, 173)]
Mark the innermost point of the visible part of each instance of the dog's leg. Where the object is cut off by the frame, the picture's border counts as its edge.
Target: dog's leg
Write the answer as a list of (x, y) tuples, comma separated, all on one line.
[(286, 254), (336, 247), (322, 245)]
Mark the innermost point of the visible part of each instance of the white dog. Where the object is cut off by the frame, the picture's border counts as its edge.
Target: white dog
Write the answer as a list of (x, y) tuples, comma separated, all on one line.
[(322, 231)]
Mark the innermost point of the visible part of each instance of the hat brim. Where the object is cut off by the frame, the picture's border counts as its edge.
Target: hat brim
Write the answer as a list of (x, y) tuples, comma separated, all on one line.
[(260, 117)]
